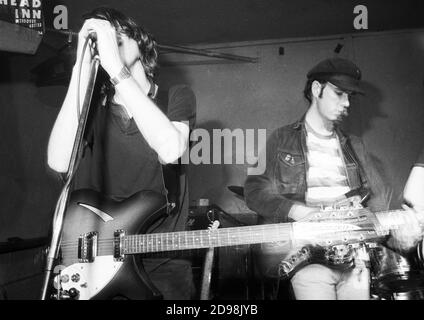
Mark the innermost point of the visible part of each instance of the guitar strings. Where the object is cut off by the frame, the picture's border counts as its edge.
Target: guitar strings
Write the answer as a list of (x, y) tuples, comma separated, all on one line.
[(206, 234), (155, 243), (202, 238), (221, 236)]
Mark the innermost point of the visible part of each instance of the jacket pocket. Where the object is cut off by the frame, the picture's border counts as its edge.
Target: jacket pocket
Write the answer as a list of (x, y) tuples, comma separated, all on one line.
[(292, 171)]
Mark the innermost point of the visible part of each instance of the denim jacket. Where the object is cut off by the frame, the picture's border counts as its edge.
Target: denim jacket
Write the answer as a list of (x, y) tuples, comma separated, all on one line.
[(283, 183)]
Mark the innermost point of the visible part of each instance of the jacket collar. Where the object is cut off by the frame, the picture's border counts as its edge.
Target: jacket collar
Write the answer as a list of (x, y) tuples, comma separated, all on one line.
[(300, 124)]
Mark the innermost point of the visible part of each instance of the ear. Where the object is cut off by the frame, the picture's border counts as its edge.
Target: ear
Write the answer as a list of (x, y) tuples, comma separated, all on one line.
[(316, 88)]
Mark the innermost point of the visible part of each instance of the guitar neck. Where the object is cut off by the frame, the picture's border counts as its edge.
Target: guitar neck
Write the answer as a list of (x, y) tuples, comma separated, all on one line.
[(393, 219), (198, 239)]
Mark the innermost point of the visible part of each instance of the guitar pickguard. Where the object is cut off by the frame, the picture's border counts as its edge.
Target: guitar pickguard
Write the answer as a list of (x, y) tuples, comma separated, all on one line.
[(88, 279)]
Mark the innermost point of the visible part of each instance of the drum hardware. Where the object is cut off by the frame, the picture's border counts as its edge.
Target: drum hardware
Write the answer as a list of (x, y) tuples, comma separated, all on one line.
[(395, 277)]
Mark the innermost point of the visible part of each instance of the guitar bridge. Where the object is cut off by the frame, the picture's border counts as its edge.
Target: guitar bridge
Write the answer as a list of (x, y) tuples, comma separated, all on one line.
[(87, 247)]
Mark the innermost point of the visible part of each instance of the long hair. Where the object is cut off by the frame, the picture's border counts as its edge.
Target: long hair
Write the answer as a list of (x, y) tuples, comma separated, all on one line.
[(146, 42)]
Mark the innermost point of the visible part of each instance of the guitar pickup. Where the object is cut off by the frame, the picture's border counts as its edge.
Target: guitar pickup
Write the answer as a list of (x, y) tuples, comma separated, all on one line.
[(118, 250), (87, 247)]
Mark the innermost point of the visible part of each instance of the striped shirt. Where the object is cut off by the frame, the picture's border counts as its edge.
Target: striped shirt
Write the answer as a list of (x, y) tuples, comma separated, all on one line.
[(326, 178)]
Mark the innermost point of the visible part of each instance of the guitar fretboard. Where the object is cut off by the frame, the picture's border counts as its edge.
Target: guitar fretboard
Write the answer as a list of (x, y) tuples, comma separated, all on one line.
[(198, 239)]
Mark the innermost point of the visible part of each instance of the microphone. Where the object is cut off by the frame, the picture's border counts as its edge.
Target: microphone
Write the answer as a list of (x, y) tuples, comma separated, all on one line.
[(92, 35)]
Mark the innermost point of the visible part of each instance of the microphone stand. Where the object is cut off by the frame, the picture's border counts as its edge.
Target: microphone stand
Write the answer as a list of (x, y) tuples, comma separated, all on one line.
[(64, 195)]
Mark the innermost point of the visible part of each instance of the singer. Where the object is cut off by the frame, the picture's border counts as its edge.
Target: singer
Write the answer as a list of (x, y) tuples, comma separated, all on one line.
[(128, 136)]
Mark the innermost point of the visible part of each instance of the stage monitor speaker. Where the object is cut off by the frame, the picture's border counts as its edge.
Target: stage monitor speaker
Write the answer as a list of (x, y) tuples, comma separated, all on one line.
[(15, 38)]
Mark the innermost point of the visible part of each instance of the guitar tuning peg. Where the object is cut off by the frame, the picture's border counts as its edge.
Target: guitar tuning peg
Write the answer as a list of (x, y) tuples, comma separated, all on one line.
[(305, 250), (284, 268), (214, 225)]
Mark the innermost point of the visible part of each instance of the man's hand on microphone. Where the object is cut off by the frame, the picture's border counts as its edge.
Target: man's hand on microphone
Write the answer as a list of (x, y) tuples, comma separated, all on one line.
[(89, 51), (106, 44)]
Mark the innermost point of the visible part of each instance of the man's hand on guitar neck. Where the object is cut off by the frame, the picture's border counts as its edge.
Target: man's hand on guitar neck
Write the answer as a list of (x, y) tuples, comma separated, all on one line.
[(410, 232), (299, 212)]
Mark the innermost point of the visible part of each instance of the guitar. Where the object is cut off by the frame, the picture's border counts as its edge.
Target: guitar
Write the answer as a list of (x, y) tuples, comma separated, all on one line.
[(364, 230), (101, 239)]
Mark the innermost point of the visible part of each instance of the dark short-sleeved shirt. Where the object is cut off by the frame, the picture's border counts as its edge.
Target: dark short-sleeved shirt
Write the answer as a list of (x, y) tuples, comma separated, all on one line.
[(117, 160)]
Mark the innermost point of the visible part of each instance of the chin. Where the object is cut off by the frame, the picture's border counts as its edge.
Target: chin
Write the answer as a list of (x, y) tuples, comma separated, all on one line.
[(339, 119), (332, 118)]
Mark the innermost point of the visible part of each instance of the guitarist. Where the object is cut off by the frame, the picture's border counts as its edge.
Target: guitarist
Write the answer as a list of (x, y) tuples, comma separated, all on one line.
[(309, 165), (128, 135)]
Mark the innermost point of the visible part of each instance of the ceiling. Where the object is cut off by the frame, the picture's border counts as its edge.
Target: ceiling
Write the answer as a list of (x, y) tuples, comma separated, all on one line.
[(182, 22)]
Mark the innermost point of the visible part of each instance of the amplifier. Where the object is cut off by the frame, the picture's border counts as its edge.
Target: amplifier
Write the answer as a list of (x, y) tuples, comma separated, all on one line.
[(201, 217)]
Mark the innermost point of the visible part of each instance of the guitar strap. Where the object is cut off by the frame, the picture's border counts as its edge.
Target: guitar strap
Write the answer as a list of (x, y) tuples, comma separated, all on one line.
[(364, 189)]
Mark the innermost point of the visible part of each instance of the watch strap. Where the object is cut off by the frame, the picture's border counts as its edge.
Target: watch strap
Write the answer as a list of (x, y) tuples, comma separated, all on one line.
[(123, 74)]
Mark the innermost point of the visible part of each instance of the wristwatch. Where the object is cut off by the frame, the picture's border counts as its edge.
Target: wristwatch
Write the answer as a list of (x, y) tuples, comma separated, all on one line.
[(123, 74)]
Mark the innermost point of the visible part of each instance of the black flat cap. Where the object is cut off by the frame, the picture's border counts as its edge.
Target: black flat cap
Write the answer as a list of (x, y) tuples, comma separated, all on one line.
[(342, 73)]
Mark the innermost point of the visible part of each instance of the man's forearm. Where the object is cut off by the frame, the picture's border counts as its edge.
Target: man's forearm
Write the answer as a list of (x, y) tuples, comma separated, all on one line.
[(168, 140), (62, 137), (264, 199)]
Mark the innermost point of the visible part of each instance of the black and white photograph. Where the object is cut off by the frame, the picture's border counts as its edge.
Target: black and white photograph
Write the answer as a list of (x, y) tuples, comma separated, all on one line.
[(212, 154)]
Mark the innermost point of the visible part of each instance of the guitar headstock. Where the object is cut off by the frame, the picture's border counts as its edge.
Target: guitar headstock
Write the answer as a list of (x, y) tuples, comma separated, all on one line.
[(346, 210), (345, 215)]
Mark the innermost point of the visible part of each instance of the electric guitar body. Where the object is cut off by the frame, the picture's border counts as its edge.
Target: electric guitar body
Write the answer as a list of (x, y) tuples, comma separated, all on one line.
[(94, 268)]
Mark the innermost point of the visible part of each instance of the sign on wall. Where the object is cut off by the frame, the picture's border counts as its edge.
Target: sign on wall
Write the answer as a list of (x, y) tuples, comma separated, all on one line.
[(26, 13)]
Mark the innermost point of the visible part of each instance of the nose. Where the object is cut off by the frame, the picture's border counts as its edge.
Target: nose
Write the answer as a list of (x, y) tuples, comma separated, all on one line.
[(345, 100)]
